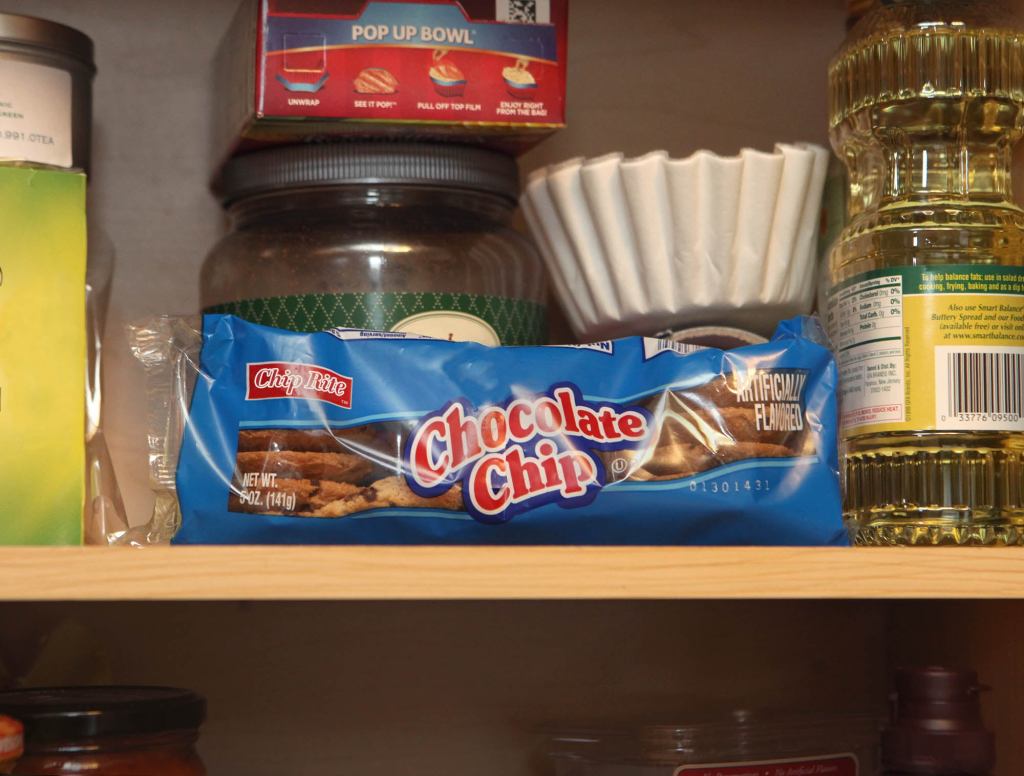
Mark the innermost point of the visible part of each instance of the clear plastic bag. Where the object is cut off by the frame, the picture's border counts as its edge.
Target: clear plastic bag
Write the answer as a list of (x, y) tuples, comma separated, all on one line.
[(168, 349), (105, 518)]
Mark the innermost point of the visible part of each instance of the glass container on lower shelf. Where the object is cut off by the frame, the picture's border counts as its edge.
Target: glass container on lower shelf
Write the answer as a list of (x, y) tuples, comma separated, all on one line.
[(926, 299), (107, 731), (841, 745)]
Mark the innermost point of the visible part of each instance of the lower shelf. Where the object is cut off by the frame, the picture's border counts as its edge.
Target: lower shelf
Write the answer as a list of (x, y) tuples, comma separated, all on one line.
[(421, 573)]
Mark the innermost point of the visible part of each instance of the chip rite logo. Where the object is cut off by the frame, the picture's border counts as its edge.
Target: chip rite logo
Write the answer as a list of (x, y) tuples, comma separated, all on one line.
[(284, 380), (523, 453)]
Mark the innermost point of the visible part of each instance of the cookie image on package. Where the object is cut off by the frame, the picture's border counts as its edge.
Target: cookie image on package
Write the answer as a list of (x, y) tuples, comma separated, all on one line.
[(325, 473), (670, 462), (315, 440), (296, 465), (276, 491), (701, 429), (389, 492)]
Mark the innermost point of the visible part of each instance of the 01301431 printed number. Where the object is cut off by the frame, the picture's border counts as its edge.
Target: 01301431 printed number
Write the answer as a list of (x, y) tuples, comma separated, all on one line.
[(725, 487)]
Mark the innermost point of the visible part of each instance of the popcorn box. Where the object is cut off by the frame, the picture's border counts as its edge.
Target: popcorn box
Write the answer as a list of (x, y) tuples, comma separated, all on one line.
[(484, 71)]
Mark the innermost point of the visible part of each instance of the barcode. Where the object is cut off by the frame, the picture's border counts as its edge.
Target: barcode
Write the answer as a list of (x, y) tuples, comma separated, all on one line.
[(524, 11), (683, 348), (655, 347), (980, 388)]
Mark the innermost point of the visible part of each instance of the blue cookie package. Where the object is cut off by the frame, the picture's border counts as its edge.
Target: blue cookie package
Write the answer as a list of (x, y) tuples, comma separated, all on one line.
[(352, 437)]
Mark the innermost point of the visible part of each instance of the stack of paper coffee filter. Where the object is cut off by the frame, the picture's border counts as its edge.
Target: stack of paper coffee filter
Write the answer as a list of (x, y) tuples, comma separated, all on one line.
[(636, 246)]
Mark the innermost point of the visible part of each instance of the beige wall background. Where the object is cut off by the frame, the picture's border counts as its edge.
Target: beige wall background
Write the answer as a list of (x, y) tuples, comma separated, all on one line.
[(674, 74)]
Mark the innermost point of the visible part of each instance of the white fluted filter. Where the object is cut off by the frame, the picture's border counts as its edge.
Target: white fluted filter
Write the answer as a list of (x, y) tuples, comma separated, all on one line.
[(635, 246)]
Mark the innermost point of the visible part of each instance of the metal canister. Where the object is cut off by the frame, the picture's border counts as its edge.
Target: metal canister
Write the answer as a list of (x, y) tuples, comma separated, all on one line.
[(46, 72)]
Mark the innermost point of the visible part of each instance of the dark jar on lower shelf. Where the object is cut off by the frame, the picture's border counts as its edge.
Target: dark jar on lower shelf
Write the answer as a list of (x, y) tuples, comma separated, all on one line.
[(107, 731), (936, 727)]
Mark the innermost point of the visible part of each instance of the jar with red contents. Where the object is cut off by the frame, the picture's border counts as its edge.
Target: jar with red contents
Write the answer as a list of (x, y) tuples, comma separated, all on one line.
[(10, 743), (107, 731)]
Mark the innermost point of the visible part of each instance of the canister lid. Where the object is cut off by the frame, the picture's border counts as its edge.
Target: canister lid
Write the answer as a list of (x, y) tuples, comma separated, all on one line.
[(368, 163), (43, 34), (76, 713)]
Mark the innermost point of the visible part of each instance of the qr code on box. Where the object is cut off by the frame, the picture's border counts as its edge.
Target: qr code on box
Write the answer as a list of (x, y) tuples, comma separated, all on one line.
[(524, 11)]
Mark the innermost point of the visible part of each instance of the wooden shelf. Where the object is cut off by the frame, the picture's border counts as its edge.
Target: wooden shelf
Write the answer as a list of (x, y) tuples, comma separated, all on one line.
[(420, 573)]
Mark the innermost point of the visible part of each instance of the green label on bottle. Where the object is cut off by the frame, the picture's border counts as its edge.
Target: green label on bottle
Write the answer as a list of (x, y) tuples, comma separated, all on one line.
[(492, 320)]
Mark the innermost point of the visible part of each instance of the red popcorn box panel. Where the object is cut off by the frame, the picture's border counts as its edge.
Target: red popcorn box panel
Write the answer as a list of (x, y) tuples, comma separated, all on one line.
[(487, 71)]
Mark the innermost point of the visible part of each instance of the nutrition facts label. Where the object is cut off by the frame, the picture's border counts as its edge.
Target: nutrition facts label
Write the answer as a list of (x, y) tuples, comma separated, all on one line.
[(866, 321)]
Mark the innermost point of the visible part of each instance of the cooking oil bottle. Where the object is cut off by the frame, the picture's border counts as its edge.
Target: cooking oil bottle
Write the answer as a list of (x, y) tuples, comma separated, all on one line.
[(926, 292)]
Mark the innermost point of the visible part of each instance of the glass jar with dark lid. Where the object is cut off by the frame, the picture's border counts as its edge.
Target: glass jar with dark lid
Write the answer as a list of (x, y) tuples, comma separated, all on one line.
[(108, 731), (410, 237)]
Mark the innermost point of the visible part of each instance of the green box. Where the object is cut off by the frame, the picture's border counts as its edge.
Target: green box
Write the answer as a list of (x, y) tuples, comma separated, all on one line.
[(42, 356)]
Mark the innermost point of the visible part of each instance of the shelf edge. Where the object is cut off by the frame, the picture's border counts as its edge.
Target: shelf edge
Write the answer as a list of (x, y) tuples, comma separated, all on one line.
[(505, 573)]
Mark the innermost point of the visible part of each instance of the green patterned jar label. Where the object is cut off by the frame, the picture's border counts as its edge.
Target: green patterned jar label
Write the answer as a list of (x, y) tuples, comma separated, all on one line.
[(491, 320)]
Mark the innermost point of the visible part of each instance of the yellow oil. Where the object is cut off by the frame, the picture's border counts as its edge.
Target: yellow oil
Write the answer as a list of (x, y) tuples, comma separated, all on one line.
[(927, 100)]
